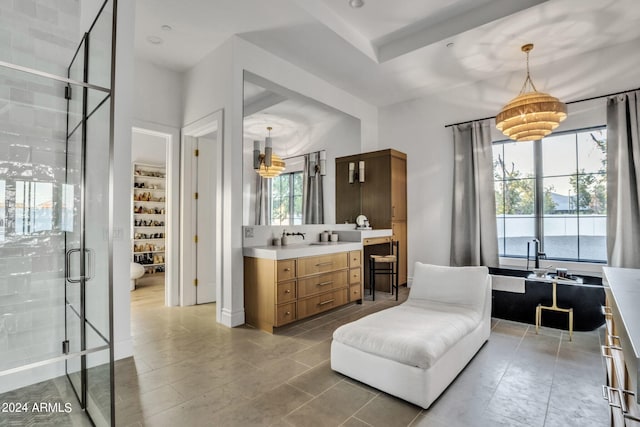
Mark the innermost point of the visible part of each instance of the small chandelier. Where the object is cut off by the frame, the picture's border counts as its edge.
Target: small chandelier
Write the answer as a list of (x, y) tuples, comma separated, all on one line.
[(267, 165), (531, 115)]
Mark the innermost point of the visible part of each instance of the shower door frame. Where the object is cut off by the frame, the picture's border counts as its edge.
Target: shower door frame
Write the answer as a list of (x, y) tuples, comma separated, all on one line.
[(85, 269)]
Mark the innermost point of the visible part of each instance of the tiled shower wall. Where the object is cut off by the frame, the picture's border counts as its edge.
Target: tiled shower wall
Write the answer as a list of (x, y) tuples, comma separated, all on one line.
[(43, 35)]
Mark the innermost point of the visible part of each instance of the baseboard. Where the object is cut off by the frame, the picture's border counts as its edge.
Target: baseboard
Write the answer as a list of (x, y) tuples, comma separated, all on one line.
[(123, 349), (232, 318)]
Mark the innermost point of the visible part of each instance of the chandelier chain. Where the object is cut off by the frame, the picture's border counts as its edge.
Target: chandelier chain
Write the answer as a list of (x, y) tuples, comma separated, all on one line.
[(528, 79)]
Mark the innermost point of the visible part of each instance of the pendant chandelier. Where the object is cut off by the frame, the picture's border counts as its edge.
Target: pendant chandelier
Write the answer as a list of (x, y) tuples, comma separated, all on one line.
[(531, 115), (267, 164)]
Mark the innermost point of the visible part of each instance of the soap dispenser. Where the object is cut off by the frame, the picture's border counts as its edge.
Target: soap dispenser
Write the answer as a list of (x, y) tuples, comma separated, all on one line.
[(285, 239)]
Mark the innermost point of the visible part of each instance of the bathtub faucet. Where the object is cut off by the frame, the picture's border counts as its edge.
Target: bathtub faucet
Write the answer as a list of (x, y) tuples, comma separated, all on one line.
[(536, 253)]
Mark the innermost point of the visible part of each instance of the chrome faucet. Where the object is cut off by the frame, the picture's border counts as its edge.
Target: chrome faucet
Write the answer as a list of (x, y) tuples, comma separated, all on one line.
[(295, 234), (536, 252)]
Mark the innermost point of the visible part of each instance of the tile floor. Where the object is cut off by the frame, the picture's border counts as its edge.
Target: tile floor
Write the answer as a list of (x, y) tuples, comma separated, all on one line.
[(189, 371)]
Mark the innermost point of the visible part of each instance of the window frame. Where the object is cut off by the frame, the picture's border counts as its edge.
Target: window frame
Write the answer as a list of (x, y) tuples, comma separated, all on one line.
[(292, 195), (538, 210)]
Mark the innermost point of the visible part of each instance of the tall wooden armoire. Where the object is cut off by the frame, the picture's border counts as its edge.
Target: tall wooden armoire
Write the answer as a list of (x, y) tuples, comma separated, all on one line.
[(382, 197)]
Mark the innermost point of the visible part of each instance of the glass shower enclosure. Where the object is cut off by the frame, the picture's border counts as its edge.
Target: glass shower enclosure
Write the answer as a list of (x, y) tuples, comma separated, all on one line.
[(56, 145)]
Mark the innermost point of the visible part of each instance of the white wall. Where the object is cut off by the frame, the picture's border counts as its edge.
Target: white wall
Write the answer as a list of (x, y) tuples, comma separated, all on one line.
[(217, 82), (209, 87), (150, 149), (417, 127), (123, 95), (157, 94)]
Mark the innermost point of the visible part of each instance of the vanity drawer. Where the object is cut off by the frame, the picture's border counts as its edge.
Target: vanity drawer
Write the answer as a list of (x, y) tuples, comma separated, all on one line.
[(355, 258), (286, 269), (322, 264), (322, 283), (376, 240), (355, 292), (285, 313), (314, 305), (354, 276), (286, 292)]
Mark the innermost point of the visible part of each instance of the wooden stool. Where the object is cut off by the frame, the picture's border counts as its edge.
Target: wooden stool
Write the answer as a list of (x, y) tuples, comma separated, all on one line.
[(385, 264)]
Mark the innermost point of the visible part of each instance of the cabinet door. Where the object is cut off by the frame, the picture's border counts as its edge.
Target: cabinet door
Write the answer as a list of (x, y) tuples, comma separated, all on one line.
[(322, 283), (347, 195), (398, 189), (322, 264), (323, 302), (376, 191)]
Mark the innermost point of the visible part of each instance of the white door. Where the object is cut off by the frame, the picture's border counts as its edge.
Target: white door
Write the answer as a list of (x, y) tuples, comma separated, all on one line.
[(206, 220), (198, 220)]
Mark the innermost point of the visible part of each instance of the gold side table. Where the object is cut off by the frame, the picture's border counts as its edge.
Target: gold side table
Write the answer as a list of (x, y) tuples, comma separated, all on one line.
[(553, 306)]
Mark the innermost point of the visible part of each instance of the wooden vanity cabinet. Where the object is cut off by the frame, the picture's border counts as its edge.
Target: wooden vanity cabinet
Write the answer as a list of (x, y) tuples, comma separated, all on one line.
[(618, 351), (279, 292), (355, 276)]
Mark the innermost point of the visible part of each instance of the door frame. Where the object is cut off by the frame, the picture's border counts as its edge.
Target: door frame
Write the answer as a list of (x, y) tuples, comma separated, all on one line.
[(201, 127), (171, 136)]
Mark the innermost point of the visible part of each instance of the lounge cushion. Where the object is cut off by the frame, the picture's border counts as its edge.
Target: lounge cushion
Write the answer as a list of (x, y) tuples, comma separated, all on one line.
[(414, 333), (451, 285)]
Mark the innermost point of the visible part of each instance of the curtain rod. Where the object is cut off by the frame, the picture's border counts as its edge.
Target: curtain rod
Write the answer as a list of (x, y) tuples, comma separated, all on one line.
[(567, 103), (301, 155)]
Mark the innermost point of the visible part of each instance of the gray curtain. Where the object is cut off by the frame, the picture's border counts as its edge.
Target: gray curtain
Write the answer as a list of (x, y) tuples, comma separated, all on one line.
[(474, 239), (623, 180), (312, 191), (262, 201)]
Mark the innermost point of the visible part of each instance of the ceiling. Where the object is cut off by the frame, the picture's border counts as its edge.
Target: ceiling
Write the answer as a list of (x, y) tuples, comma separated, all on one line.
[(387, 52), (296, 120)]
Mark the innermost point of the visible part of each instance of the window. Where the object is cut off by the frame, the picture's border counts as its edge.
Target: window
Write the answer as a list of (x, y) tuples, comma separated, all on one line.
[(554, 190), (286, 199), (28, 208)]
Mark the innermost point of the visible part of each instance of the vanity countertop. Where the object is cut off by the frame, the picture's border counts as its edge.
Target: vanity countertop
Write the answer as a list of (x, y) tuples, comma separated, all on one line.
[(625, 287), (300, 250), (360, 235)]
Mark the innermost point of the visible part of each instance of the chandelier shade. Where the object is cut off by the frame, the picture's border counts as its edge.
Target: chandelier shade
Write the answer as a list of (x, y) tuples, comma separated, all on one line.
[(276, 168), (531, 115)]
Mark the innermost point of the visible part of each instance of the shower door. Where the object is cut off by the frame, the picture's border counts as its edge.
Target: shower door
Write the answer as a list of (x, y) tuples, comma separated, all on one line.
[(55, 231), (87, 247)]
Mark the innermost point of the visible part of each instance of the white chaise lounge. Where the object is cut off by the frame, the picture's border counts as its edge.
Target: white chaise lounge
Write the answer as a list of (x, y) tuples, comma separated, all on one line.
[(414, 350)]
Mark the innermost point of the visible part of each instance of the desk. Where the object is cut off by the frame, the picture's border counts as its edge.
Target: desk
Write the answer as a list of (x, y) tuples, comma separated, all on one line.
[(554, 305)]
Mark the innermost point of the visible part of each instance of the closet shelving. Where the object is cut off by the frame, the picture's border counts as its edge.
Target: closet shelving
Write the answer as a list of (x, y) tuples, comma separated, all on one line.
[(148, 210)]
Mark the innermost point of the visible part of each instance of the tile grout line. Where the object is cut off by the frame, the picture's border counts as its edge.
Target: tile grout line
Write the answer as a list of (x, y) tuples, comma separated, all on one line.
[(515, 350), (361, 408), (354, 417), (416, 417), (310, 400), (553, 378)]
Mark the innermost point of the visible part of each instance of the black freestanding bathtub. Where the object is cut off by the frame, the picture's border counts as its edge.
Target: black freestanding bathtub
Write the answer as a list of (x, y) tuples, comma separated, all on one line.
[(586, 299)]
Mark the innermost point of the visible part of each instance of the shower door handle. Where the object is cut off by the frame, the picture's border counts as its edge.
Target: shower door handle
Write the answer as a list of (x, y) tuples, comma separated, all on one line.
[(67, 266), (90, 268), (90, 265)]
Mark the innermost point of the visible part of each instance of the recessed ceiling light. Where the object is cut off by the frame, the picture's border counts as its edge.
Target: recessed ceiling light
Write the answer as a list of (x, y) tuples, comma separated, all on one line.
[(166, 27), (356, 3), (154, 40)]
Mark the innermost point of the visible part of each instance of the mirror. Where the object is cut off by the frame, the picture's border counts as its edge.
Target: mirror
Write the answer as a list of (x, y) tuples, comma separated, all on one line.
[(300, 125)]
